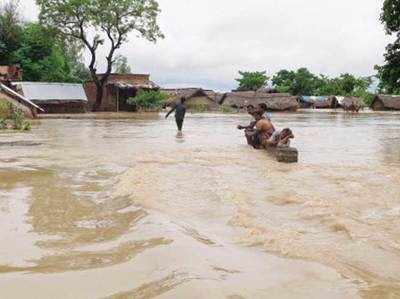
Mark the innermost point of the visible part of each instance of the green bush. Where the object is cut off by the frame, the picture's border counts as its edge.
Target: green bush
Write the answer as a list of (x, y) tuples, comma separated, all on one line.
[(18, 119), (252, 80), (198, 107), (3, 124), (365, 96), (226, 109), (5, 109), (148, 100), (12, 116)]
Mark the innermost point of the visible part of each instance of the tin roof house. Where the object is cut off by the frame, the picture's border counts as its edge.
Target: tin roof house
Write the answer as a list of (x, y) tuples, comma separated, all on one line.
[(54, 97)]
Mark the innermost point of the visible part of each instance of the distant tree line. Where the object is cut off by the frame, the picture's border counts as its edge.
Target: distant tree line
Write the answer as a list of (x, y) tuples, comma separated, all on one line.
[(304, 82)]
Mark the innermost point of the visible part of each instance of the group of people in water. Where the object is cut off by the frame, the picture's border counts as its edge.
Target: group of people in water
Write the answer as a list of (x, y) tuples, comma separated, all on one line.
[(259, 133)]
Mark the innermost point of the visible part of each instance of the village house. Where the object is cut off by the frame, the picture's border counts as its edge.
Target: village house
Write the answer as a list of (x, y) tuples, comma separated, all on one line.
[(54, 97), (118, 89), (386, 102)]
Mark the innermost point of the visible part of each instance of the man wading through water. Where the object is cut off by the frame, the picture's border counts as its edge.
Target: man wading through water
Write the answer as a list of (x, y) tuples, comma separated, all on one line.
[(180, 110)]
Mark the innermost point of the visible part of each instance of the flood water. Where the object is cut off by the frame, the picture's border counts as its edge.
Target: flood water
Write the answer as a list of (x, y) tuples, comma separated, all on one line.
[(125, 209)]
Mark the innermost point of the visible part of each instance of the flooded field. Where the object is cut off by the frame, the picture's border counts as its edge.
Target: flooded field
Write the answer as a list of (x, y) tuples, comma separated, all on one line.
[(124, 209)]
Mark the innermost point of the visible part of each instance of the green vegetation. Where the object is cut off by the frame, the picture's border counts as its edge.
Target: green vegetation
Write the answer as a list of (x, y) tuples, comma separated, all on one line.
[(152, 100), (198, 107), (389, 73), (303, 82), (121, 65), (12, 117), (110, 21), (251, 80), (41, 52), (226, 109), (44, 58), (10, 31), (5, 109)]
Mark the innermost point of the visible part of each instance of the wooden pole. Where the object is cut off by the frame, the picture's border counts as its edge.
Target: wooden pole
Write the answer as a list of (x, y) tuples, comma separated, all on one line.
[(118, 100)]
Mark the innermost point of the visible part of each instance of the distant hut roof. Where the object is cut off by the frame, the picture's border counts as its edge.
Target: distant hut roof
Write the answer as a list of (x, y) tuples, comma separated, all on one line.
[(47, 92), (175, 94), (348, 101), (313, 99), (389, 102), (268, 90), (274, 101), (320, 102)]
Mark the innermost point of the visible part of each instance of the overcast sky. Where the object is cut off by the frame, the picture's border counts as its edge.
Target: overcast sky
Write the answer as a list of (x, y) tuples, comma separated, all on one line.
[(207, 42)]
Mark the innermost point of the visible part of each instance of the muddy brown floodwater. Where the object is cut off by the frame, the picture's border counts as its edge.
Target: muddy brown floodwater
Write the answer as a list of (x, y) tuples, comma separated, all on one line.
[(124, 209)]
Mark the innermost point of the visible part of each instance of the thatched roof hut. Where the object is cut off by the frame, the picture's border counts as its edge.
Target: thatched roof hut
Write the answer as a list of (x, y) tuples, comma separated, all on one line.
[(349, 102), (274, 101), (196, 98), (386, 102)]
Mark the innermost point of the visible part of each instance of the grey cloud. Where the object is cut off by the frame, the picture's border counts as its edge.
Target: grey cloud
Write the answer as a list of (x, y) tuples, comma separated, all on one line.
[(207, 42)]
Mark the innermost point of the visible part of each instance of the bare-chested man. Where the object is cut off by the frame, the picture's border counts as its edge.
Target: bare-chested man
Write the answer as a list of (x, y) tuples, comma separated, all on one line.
[(259, 129), (264, 125)]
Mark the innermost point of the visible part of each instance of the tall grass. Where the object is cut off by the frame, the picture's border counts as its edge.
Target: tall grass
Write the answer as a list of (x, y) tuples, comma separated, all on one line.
[(12, 117)]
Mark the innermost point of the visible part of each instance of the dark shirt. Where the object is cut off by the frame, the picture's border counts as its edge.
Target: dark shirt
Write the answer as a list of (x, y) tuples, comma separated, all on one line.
[(180, 110)]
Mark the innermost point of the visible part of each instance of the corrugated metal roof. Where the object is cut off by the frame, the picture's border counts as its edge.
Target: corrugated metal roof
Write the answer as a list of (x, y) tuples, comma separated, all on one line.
[(15, 94), (41, 91)]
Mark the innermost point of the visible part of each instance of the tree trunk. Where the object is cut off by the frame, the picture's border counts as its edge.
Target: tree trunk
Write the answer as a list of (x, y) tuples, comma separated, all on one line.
[(99, 97)]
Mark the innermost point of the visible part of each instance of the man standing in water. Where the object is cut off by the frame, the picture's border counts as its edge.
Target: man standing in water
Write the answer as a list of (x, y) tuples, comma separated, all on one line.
[(180, 111)]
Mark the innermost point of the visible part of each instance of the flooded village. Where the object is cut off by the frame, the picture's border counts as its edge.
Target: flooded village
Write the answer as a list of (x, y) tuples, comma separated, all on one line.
[(103, 196)]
